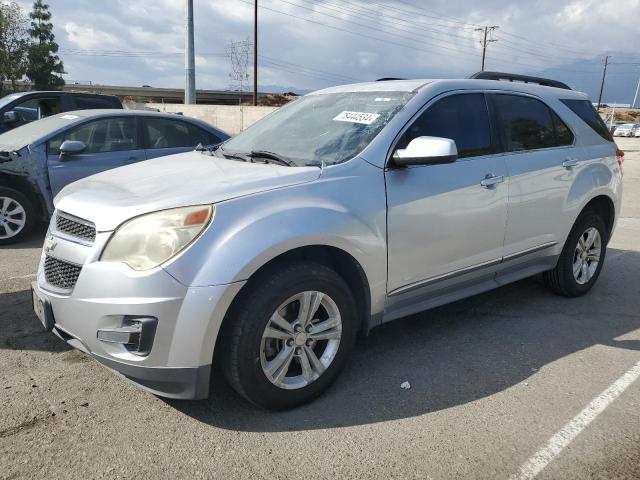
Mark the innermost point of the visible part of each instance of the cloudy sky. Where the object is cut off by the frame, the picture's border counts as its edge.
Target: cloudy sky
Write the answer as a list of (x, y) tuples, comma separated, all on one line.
[(308, 44)]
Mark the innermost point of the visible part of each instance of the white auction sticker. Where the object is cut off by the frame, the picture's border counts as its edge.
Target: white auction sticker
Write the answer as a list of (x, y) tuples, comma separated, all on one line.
[(69, 117), (357, 117)]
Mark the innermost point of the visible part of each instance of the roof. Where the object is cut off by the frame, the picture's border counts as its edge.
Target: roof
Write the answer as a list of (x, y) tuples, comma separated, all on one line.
[(450, 84)]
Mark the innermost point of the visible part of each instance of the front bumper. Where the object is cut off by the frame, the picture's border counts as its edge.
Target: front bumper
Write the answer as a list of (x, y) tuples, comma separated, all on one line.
[(178, 362)]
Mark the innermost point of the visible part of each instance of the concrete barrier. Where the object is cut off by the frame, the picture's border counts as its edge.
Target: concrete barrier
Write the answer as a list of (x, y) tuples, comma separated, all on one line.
[(229, 118)]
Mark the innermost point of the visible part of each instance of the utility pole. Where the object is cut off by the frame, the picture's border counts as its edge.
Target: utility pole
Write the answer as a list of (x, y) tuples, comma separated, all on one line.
[(189, 56), (604, 74), (635, 97), (255, 53), (486, 41)]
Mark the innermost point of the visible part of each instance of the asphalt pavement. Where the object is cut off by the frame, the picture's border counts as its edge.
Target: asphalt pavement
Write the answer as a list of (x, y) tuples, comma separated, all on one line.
[(514, 383)]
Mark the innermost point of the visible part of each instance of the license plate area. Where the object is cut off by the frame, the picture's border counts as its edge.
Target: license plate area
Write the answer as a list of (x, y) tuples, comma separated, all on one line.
[(42, 309)]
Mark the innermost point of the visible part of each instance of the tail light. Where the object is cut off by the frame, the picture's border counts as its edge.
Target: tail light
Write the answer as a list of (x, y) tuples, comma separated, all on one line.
[(620, 158)]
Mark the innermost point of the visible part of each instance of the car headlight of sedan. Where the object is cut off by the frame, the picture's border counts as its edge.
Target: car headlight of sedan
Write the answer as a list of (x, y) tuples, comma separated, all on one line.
[(150, 240)]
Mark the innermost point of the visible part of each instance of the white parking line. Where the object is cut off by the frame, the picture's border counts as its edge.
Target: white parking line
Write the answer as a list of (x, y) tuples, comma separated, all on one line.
[(571, 430)]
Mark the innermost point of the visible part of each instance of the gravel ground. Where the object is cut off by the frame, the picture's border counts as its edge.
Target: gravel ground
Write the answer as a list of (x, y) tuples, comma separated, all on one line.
[(493, 378)]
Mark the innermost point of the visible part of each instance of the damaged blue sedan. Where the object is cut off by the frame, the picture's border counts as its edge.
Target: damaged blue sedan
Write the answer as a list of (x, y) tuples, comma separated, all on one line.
[(38, 159)]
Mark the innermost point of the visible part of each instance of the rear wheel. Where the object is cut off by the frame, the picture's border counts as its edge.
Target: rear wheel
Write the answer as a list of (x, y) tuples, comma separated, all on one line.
[(16, 215), (289, 335), (582, 257)]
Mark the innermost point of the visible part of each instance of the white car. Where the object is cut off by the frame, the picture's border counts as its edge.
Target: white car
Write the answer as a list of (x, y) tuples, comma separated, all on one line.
[(627, 130)]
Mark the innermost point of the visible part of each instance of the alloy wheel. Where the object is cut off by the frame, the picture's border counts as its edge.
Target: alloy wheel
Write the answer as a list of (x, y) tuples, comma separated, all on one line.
[(13, 218), (301, 340), (586, 256)]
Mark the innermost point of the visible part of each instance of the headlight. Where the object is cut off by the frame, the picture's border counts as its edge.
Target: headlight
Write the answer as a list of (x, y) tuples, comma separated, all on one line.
[(150, 240)]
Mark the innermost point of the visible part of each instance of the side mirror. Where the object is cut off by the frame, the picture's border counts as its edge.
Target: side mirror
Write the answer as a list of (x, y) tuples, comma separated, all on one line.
[(10, 117), (426, 151), (72, 147)]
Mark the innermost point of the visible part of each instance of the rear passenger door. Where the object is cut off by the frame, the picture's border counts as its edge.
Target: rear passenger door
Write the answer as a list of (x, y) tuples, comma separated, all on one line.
[(540, 157), (166, 136), (111, 142)]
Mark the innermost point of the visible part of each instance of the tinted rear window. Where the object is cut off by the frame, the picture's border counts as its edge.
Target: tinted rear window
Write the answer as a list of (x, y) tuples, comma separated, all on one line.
[(526, 123), (92, 103), (585, 110)]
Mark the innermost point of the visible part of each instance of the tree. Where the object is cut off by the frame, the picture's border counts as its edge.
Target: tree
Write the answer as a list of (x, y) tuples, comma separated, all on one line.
[(13, 43), (45, 68)]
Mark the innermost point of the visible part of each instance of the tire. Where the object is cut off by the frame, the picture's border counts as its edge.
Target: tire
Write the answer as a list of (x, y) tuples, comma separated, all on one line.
[(247, 355), (14, 227), (562, 280)]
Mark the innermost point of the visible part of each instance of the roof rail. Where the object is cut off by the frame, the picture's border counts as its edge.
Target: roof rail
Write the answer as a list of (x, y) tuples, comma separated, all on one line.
[(389, 79), (512, 77)]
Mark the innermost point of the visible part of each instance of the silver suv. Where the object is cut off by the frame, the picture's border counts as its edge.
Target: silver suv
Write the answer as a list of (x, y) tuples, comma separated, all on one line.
[(350, 207)]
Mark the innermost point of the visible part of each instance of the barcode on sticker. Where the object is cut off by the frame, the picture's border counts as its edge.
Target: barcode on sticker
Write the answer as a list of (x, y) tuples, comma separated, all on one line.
[(357, 117)]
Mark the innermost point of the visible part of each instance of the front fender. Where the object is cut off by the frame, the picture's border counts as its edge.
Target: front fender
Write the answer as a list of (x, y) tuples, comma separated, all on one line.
[(344, 209)]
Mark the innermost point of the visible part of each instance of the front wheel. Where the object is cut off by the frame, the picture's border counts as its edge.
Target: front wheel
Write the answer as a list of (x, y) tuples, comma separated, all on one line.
[(582, 257), (16, 216), (289, 335)]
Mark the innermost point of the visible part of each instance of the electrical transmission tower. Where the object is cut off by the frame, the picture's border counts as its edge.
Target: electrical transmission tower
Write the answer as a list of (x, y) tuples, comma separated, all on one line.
[(485, 41), (238, 53)]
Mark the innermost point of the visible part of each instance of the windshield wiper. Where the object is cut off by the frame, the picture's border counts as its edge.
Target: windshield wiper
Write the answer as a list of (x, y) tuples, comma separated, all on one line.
[(229, 155), (271, 156)]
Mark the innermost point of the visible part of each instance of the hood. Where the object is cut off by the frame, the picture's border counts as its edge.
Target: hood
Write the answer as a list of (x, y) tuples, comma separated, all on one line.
[(193, 178)]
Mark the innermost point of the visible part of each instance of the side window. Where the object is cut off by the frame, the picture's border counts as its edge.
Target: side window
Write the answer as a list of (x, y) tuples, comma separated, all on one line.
[(165, 133), (463, 118), (526, 123), (101, 136), (37, 108), (89, 103), (198, 135)]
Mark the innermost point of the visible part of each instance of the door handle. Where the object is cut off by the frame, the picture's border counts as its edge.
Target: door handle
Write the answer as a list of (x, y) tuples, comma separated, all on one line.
[(490, 180), (570, 163), (132, 159)]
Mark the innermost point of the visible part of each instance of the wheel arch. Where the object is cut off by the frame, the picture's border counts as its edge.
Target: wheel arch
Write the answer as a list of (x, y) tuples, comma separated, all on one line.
[(25, 187), (604, 206), (333, 257)]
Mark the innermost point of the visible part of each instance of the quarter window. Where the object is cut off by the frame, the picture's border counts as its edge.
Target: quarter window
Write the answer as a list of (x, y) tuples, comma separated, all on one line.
[(164, 133), (585, 110), (463, 118)]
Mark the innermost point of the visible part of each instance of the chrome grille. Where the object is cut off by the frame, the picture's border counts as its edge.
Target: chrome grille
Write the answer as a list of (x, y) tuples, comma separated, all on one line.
[(75, 228), (61, 274)]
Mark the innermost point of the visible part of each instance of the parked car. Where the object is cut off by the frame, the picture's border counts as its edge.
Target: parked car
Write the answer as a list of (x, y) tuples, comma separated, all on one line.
[(21, 108), (627, 130), (345, 209), (38, 159)]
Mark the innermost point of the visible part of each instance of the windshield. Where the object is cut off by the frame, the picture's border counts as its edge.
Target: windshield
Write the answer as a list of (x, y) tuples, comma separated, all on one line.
[(329, 128), (33, 131), (8, 99)]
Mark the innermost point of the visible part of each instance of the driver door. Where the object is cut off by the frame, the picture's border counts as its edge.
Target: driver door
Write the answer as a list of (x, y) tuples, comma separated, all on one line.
[(111, 143), (445, 229)]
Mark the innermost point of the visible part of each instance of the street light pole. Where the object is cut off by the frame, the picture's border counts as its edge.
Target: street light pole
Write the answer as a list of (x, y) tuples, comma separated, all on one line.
[(635, 97), (189, 56), (255, 53)]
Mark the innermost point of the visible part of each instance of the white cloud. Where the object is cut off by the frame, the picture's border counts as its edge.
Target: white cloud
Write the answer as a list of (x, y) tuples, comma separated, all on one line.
[(566, 39)]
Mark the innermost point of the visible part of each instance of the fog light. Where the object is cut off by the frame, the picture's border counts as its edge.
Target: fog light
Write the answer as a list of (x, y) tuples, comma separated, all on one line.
[(136, 334)]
